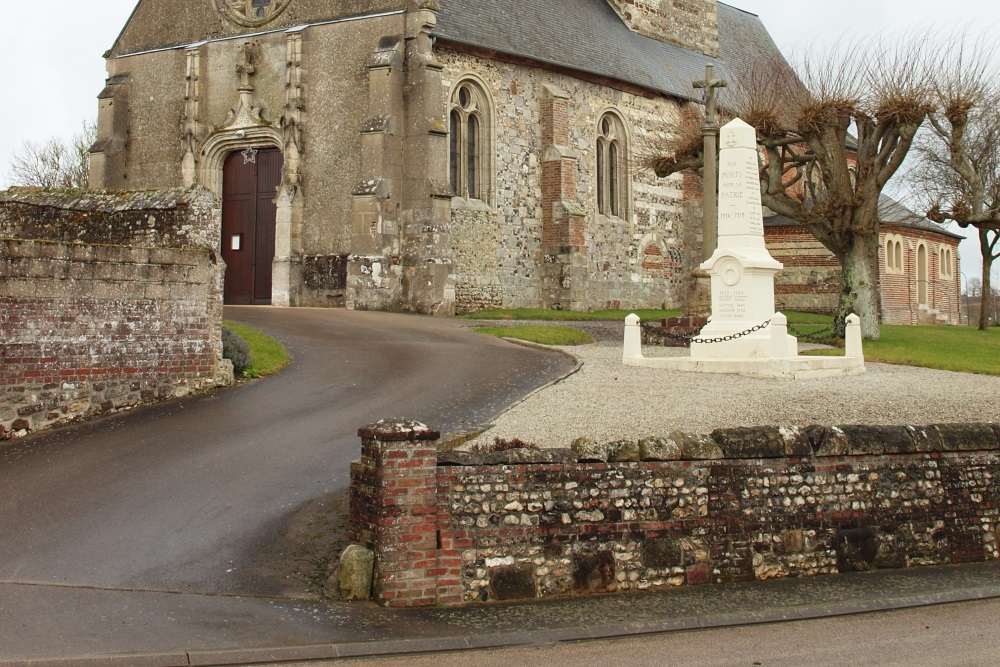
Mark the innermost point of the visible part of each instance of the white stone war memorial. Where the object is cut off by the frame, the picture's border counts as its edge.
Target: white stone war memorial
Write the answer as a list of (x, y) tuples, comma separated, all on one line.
[(745, 335)]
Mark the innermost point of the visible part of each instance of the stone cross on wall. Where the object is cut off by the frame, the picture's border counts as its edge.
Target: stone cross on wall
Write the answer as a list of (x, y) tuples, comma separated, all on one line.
[(245, 68)]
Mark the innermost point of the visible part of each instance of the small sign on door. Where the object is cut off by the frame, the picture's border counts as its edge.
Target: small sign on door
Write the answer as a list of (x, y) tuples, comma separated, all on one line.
[(237, 242)]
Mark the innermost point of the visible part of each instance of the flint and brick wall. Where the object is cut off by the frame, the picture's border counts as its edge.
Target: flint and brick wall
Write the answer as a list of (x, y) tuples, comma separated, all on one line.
[(538, 240), (107, 300), (740, 504)]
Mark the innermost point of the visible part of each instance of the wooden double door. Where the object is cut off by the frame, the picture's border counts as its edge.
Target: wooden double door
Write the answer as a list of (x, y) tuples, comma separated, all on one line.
[(250, 181)]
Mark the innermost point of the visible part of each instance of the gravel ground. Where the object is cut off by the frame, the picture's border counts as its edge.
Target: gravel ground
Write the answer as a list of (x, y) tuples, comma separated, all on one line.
[(607, 400)]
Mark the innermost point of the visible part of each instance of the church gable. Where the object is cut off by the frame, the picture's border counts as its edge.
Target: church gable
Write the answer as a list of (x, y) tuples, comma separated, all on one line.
[(156, 24), (690, 24)]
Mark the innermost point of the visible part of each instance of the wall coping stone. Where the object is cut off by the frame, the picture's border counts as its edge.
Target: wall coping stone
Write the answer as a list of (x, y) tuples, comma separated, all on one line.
[(101, 200), (397, 430), (748, 442)]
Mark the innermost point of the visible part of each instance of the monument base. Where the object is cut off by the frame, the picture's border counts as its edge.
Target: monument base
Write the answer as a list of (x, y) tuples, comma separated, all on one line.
[(796, 368), (773, 354)]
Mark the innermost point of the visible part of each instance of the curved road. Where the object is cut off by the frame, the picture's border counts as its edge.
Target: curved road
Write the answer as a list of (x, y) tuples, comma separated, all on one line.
[(181, 497)]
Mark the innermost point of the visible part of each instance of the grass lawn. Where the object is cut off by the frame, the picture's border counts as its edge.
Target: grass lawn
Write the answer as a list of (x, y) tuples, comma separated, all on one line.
[(539, 334), (962, 349), (267, 355), (645, 314)]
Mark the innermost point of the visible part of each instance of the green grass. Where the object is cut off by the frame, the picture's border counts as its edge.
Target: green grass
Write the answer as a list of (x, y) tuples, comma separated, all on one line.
[(539, 334), (645, 314), (795, 318), (268, 355), (961, 349)]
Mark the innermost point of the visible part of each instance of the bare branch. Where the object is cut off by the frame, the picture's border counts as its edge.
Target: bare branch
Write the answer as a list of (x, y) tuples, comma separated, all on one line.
[(55, 163)]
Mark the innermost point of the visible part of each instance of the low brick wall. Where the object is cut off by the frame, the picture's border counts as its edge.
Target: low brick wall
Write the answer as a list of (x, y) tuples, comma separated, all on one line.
[(740, 504), (107, 300)]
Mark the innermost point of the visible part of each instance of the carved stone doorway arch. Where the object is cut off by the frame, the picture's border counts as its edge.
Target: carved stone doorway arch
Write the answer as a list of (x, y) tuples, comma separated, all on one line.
[(285, 282)]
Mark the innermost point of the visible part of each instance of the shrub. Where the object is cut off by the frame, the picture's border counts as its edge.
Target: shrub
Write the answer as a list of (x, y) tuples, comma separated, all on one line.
[(236, 350), (501, 445)]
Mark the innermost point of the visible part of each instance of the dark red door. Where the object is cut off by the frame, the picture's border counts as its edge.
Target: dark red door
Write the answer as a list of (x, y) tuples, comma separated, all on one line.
[(250, 182)]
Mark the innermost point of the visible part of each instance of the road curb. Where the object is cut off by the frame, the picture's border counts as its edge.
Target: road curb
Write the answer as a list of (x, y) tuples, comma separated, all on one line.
[(332, 651)]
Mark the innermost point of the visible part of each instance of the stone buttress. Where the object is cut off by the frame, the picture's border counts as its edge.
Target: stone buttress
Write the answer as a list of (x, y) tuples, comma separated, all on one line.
[(401, 210)]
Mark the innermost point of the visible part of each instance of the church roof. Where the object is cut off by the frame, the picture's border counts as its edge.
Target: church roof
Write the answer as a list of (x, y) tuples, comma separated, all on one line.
[(590, 37), (891, 214)]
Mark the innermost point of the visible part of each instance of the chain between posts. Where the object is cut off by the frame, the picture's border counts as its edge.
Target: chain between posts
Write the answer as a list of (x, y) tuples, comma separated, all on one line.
[(822, 335), (691, 339)]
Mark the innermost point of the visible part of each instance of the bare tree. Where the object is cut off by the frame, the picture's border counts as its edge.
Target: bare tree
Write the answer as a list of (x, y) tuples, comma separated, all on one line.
[(832, 134), (958, 173), (55, 163), (974, 287)]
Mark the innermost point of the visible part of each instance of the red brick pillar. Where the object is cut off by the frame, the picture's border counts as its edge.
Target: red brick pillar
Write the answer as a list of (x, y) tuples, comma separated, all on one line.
[(394, 510), (564, 271)]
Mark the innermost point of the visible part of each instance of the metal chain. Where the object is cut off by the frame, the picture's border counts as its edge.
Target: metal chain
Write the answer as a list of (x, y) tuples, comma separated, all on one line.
[(723, 339), (821, 335), (692, 337)]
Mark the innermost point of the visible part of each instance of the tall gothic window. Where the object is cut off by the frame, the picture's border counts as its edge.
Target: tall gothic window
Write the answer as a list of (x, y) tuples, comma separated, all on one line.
[(469, 123), (612, 167)]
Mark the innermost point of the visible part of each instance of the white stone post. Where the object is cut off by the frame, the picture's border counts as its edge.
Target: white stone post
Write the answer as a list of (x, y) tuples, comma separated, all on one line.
[(852, 337), (633, 338), (779, 337)]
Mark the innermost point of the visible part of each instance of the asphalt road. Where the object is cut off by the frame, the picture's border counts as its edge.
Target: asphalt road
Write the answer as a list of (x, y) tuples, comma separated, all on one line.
[(954, 635), (182, 497)]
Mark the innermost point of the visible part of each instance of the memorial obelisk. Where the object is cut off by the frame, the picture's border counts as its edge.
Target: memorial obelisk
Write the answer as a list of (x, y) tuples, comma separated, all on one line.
[(741, 268)]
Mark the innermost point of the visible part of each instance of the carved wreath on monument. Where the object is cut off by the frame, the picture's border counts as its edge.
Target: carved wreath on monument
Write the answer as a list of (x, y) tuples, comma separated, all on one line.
[(252, 12)]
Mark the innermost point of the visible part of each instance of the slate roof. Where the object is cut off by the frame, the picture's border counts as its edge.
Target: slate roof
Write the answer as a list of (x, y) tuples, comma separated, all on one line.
[(891, 214), (590, 37)]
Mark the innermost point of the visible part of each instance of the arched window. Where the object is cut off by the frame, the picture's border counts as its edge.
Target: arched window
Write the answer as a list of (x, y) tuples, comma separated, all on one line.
[(894, 254), (945, 262), (612, 167), (469, 151), (921, 274)]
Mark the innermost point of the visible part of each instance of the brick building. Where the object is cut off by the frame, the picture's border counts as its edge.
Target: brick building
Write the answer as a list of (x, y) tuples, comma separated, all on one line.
[(918, 262), (430, 156)]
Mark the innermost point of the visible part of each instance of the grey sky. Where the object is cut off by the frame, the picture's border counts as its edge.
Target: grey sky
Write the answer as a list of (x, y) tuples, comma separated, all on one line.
[(52, 50)]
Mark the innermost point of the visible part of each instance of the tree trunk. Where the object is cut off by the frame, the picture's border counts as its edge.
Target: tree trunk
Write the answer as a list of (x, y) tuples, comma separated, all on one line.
[(986, 295), (859, 283)]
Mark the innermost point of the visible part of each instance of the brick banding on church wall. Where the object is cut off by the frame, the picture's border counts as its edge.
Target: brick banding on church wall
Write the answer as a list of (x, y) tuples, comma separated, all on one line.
[(741, 504), (107, 300)]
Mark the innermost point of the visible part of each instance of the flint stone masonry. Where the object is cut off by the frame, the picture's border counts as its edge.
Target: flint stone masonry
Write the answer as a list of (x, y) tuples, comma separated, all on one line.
[(107, 300), (508, 252), (739, 504)]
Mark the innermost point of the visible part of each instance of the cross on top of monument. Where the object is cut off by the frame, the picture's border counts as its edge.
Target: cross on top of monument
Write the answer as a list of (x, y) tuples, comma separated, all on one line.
[(710, 83)]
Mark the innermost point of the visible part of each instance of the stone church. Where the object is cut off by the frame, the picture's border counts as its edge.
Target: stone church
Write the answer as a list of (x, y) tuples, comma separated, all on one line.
[(433, 156)]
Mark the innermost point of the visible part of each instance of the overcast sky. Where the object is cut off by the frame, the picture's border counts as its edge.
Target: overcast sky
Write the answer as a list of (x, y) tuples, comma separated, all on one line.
[(52, 50)]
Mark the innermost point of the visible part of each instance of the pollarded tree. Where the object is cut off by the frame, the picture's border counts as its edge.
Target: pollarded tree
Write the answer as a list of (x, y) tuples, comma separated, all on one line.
[(55, 163), (958, 172), (831, 137)]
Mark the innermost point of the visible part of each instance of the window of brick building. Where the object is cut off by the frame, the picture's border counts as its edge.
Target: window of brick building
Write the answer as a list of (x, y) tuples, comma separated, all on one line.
[(612, 167), (469, 150), (893, 255), (945, 262)]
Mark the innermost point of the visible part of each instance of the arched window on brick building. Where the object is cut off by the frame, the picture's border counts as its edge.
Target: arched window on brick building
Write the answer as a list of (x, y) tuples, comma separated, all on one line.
[(946, 262), (894, 254), (612, 167), (470, 127)]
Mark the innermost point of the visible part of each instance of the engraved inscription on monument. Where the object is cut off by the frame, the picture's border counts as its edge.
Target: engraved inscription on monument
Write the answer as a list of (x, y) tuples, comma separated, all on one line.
[(739, 183), (731, 303)]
